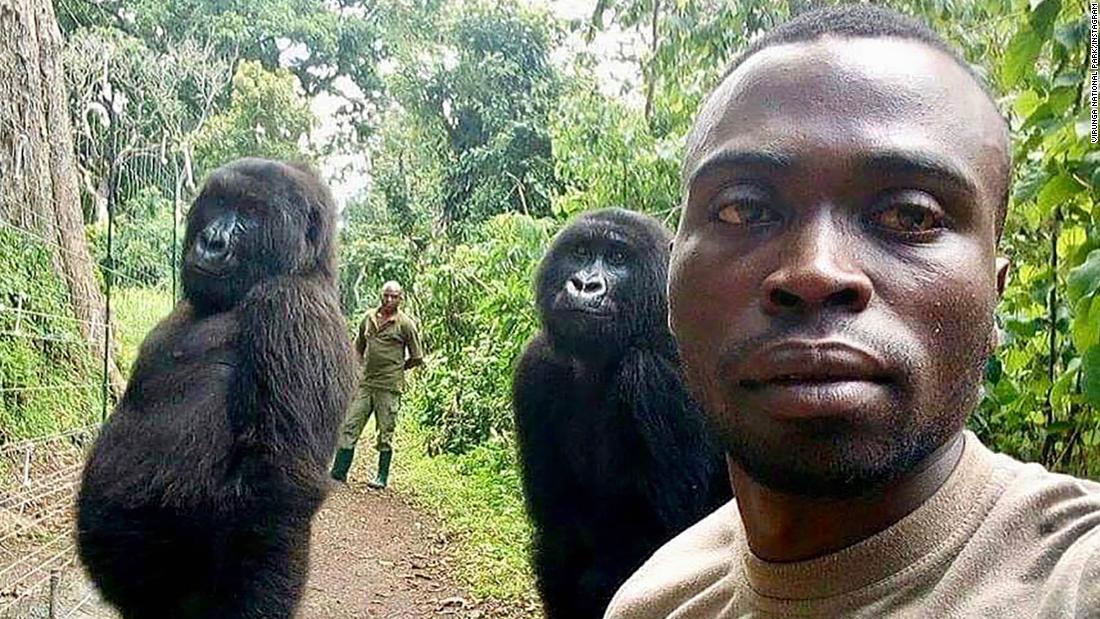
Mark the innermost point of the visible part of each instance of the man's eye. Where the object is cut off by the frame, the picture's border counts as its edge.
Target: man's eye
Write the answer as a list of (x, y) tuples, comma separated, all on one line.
[(917, 214), (748, 213)]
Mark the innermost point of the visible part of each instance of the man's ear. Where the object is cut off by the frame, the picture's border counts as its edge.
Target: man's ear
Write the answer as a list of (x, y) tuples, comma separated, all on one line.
[(1002, 278), (1002, 274)]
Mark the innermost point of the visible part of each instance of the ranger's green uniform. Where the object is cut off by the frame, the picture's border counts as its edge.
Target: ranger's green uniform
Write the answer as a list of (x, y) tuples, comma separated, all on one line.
[(382, 347)]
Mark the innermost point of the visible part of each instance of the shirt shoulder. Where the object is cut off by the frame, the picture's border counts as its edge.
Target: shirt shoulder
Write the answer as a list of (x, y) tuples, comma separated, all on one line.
[(696, 562), (1061, 516), (368, 324), (406, 320)]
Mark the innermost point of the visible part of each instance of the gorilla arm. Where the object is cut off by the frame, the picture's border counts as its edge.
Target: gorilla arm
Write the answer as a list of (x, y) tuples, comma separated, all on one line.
[(541, 395), (687, 465), (297, 373), (544, 400)]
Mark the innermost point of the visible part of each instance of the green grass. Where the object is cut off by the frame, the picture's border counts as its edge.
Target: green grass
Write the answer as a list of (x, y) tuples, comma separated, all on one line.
[(136, 311), (477, 497), (51, 380)]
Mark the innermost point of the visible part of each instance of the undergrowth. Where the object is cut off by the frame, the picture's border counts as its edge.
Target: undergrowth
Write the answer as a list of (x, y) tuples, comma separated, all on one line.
[(477, 497), (49, 379)]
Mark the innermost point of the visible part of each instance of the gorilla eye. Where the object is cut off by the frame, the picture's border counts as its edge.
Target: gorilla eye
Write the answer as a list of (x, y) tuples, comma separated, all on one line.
[(581, 251), (617, 257), (912, 213)]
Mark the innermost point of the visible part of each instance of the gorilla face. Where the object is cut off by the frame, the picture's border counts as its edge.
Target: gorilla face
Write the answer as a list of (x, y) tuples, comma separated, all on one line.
[(599, 282), (254, 219)]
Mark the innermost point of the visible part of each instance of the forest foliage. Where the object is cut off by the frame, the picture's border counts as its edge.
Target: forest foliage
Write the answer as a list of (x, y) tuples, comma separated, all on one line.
[(487, 124)]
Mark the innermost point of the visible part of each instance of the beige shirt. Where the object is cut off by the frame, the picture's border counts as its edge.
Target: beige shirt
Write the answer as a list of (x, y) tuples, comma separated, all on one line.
[(999, 539)]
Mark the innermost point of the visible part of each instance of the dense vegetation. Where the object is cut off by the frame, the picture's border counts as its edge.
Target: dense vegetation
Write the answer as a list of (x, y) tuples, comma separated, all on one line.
[(486, 125)]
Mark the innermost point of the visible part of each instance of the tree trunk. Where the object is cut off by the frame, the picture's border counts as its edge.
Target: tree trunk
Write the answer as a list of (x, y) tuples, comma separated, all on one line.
[(38, 175), (651, 68)]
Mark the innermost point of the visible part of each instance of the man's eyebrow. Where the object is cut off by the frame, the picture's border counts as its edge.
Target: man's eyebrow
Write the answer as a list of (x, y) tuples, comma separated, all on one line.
[(910, 162), (920, 163), (740, 158)]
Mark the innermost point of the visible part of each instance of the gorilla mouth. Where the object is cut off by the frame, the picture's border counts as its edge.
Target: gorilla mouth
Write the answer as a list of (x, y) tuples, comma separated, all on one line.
[(586, 312), (218, 273)]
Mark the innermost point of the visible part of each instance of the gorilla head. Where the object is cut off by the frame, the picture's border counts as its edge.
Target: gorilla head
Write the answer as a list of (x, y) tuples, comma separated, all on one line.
[(255, 219), (601, 286)]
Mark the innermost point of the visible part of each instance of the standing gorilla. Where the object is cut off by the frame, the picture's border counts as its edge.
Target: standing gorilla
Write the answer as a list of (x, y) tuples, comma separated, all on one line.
[(197, 497), (614, 455)]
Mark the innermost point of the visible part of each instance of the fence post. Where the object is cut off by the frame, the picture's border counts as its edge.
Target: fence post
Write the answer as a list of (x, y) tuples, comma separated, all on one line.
[(55, 592), (18, 314), (27, 466)]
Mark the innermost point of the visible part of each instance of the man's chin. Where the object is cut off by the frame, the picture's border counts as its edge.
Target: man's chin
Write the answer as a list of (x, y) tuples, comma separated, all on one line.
[(831, 465)]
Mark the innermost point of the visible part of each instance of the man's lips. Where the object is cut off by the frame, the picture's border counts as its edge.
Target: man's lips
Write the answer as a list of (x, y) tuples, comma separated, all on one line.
[(810, 361), (813, 378)]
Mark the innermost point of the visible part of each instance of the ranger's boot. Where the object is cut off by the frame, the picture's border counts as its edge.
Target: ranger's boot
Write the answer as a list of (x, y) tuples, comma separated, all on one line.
[(341, 464), (384, 458)]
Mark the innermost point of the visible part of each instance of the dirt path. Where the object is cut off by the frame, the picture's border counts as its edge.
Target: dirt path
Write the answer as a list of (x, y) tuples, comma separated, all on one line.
[(374, 556)]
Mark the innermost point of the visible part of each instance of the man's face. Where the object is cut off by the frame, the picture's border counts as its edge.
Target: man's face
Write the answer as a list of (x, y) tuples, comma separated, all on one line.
[(391, 299), (834, 276)]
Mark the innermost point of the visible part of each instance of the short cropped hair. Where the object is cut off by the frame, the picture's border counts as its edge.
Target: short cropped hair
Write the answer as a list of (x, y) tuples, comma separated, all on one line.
[(855, 21)]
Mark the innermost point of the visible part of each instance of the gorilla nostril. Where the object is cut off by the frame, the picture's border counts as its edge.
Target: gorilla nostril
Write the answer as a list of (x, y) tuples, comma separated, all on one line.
[(783, 298), (843, 298), (593, 286)]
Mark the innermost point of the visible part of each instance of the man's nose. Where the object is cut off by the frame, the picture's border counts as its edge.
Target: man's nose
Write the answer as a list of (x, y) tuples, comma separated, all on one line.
[(818, 268)]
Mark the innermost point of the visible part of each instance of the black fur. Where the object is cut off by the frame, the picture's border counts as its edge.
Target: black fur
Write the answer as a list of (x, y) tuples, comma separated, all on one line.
[(197, 498), (615, 458)]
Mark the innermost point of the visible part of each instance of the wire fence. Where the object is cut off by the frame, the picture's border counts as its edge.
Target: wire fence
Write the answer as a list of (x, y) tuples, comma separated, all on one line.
[(54, 390)]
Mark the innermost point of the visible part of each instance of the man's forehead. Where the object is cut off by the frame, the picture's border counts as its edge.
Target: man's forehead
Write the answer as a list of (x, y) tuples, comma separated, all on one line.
[(844, 85)]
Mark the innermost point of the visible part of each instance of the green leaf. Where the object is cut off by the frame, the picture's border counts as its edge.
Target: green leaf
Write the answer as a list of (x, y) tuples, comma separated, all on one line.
[(1036, 417), (1020, 56), (1086, 323), (994, 370), (1067, 80), (1084, 280), (1061, 99), (1063, 386), (1043, 15), (1090, 379), (1038, 116), (1071, 36), (1023, 328), (1091, 438), (1056, 191), (1060, 427), (1029, 185), (1025, 103)]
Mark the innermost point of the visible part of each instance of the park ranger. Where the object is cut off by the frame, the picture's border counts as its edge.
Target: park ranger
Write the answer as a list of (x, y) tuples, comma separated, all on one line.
[(388, 343)]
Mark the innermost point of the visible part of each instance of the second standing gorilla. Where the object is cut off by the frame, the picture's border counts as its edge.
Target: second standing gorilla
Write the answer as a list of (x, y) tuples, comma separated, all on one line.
[(197, 498), (615, 457)]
